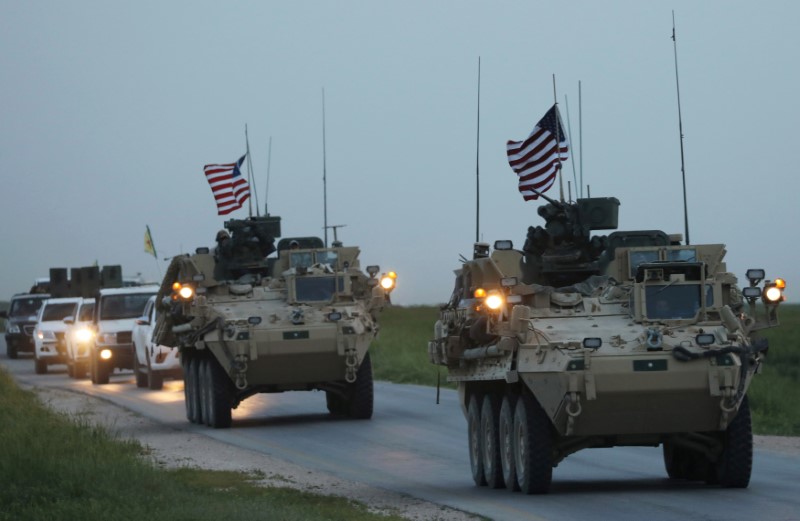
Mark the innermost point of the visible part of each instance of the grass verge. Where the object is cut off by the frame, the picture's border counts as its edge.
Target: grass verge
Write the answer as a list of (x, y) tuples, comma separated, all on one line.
[(57, 467)]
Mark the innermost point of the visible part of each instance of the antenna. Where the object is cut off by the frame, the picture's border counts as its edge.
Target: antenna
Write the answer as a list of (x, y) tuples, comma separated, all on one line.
[(477, 161), (269, 163), (680, 131), (335, 227), (324, 173), (250, 175), (580, 137), (572, 158)]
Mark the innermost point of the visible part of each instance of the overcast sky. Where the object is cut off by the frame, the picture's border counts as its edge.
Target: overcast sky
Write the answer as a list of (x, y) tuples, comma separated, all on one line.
[(110, 109)]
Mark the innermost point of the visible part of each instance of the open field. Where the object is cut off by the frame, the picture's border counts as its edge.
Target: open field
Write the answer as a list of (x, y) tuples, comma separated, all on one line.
[(400, 355)]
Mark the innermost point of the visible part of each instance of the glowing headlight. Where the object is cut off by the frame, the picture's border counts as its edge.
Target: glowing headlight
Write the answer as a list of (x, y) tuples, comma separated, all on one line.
[(107, 338), (494, 301), (13, 329), (186, 292), (83, 334), (40, 335), (772, 294), (387, 282), (480, 293), (45, 335), (105, 354)]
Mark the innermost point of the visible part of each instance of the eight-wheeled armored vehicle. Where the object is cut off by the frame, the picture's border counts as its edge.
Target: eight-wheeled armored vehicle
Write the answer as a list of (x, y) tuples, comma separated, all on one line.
[(247, 322), (579, 341)]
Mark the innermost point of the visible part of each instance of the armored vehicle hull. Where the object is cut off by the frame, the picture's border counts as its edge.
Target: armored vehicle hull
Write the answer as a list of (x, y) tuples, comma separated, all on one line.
[(577, 342), (301, 321)]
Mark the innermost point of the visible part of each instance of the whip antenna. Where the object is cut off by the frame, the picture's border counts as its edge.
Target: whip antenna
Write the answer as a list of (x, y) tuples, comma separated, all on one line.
[(477, 161), (680, 131)]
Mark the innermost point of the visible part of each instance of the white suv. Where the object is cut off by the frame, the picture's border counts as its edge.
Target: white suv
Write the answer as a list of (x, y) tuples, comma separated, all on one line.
[(79, 337), (115, 314), (48, 335), (152, 361)]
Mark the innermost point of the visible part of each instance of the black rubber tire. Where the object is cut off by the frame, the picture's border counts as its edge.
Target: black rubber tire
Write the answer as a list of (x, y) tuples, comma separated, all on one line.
[(155, 381), (103, 373), (79, 370), (204, 385), (70, 370), (11, 350), (186, 359), (335, 403), (218, 393), (533, 446), (474, 440), (736, 461), (40, 366), (674, 461), (490, 417), (92, 368), (194, 411), (141, 376), (360, 404), (505, 436)]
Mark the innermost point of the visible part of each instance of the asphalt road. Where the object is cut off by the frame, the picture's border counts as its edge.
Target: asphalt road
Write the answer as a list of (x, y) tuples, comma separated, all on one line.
[(416, 447)]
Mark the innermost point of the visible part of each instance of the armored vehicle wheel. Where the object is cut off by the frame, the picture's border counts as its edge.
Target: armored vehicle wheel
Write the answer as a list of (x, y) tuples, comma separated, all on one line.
[(674, 461), (216, 389), (474, 440), (490, 416), (192, 391), (736, 461), (533, 444), (141, 376), (187, 399), (79, 370), (40, 366), (505, 435), (360, 404), (155, 382), (335, 403), (11, 350)]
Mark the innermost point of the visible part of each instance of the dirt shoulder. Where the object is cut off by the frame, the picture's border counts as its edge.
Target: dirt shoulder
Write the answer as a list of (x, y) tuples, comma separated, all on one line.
[(171, 448)]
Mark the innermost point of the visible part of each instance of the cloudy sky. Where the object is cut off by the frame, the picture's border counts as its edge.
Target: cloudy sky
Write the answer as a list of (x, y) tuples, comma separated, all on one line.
[(110, 109)]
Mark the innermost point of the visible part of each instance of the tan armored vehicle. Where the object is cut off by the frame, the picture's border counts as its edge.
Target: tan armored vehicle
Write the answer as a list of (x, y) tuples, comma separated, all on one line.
[(249, 323), (577, 342)]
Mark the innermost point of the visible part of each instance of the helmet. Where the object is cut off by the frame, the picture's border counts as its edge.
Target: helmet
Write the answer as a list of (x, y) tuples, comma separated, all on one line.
[(222, 234)]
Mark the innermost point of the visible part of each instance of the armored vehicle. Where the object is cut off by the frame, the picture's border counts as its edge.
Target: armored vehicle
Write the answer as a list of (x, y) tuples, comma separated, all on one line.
[(579, 341), (247, 322)]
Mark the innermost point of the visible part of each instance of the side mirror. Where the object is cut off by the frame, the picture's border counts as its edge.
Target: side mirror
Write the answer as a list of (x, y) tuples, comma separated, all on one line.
[(142, 321), (69, 320)]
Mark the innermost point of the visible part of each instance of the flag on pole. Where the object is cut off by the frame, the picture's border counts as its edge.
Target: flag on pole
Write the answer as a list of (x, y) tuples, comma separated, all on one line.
[(230, 189), (148, 242), (537, 159)]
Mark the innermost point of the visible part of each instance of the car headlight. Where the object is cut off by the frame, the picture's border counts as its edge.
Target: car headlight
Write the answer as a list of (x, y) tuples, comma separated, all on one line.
[(494, 301), (83, 334), (107, 338), (14, 329), (45, 335), (773, 294), (389, 281)]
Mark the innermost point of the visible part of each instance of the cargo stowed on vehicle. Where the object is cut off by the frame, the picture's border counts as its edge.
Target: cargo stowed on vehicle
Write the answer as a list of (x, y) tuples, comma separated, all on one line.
[(577, 342), (247, 323)]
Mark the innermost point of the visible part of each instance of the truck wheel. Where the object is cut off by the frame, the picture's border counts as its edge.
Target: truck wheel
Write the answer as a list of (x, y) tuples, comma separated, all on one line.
[(103, 373), (674, 461), (11, 350), (533, 445), (361, 398), (79, 370), (505, 435), (475, 442), (490, 417), (141, 376), (40, 366), (155, 382), (70, 370), (192, 389), (335, 403), (736, 461), (217, 390)]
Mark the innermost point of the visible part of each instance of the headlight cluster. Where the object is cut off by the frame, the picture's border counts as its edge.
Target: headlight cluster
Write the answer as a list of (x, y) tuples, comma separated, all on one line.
[(494, 300), (13, 329), (772, 293), (83, 334), (45, 335), (389, 281), (182, 291)]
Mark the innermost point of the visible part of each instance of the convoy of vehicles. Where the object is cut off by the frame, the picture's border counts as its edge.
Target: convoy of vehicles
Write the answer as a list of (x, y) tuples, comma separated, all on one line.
[(576, 342), (49, 333), (152, 362)]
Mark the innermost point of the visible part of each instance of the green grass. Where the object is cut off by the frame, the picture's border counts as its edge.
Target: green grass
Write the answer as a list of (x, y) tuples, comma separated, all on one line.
[(400, 355), (58, 467)]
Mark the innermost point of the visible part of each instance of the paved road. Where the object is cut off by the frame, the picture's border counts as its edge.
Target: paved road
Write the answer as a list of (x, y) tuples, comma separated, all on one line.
[(416, 447)]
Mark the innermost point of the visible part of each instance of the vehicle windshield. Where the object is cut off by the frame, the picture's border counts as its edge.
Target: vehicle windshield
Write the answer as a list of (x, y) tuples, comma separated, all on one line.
[(640, 257), (26, 306), (316, 289), (58, 311), (327, 257), (113, 307), (86, 312), (670, 302)]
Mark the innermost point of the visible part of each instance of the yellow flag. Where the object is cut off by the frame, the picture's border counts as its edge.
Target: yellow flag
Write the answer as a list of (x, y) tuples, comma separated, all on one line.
[(148, 243)]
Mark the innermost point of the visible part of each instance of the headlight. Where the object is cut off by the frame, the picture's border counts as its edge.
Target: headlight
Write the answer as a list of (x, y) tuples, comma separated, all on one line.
[(387, 281), (45, 335), (186, 292), (494, 301), (13, 329), (105, 354), (40, 335), (83, 334), (772, 294)]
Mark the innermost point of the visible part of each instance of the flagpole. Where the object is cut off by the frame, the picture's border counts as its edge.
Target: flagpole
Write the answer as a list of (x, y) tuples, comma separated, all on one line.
[(558, 142), (250, 175), (269, 164), (324, 173), (477, 161), (680, 131)]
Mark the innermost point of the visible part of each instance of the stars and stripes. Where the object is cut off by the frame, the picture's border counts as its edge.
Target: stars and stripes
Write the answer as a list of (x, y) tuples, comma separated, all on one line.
[(230, 189), (537, 159)]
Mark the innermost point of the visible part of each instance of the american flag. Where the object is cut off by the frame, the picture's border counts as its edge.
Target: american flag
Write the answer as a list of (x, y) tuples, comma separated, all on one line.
[(230, 189), (537, 159)]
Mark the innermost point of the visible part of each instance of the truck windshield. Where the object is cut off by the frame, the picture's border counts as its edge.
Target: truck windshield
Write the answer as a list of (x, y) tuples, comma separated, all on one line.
[(673, 301), (58, 311), (86, 312), (113, 307), (316, 289), (26, 306)]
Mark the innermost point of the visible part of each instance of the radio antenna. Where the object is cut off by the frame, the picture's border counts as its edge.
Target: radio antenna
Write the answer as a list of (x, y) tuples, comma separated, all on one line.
[(477, 161), (680, 131), (324, 173), (269, 163)]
